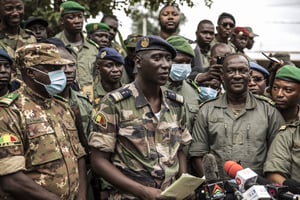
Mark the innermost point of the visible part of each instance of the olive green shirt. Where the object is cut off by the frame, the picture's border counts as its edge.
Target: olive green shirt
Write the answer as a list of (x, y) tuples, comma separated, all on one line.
[(243, 137)]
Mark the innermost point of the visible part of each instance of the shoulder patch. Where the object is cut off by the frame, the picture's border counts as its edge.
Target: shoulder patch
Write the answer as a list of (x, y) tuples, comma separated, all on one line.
[(175, 97), (93, 43), (264, 98), (121, 94), (101, 120), (8, 99), (9, 140)]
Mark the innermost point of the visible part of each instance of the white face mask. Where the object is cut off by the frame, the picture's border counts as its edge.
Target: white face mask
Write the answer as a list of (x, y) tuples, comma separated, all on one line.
[(58, 81), (180, 72)]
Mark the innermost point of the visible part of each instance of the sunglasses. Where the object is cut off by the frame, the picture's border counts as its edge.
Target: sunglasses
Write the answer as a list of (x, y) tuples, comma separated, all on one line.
[(231, 25)]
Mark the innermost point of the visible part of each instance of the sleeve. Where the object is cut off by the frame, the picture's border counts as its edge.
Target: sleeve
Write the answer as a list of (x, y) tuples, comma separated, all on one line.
[(11, 145), (104, 126), (186, 124), (275, 121), (199, 145), (279, 154)]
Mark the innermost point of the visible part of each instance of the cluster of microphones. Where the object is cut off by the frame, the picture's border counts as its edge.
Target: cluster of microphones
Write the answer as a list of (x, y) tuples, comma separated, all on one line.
[(244, 184)]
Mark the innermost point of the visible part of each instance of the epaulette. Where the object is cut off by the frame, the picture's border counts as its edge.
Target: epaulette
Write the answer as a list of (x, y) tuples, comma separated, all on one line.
[(193, 84), (283, 127), (8, 99), (29, 33), (121, 94), (175, 97), (264, 98), (93, 43), (208, 100), (60, 98)]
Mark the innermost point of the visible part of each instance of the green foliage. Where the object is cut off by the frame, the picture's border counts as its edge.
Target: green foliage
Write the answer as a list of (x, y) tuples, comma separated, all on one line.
[(49, 9)]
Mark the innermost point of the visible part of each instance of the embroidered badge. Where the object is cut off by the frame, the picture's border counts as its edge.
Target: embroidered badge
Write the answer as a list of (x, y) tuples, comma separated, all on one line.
[(101, 120), (145, 42), (103, 54), (9, 140), (95, 27)]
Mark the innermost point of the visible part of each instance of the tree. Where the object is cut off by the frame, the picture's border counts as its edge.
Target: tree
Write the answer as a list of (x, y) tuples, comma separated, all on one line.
[(49, 9)]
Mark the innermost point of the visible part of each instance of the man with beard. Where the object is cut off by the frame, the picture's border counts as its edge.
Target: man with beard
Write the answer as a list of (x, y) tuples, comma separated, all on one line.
[(82, 49), (109, 66), (226, 24), (204, 36), (237, 125), (282, 163), (12, 36), (169, 18), (140, 129), (5, 72)]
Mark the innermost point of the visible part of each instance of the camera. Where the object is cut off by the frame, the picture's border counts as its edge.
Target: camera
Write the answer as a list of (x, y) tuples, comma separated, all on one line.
[(220, 60)]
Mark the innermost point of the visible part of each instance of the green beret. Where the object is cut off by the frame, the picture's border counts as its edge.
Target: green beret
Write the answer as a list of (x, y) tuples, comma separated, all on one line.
[(181, 45), (70, 7), (289, 73), (92, 27)]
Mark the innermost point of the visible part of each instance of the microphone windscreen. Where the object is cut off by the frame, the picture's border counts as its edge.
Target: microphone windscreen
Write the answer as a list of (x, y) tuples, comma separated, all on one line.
[(231, 168), (210, 167)]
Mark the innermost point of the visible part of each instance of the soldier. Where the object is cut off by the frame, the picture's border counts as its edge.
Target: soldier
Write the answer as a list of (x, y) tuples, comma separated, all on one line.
[(236, 126), (109, 66), (38, 26), (12, 36), (258, 79), (282, 163), (99, 33), (83, 50), (5, 72), (41, 156), (140, 129)]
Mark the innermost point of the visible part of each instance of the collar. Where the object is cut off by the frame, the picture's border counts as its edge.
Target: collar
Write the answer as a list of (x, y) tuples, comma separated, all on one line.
[(223, 103)]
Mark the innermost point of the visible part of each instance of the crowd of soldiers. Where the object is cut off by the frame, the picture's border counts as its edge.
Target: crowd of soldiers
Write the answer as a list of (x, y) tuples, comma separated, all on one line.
[(83, 117)]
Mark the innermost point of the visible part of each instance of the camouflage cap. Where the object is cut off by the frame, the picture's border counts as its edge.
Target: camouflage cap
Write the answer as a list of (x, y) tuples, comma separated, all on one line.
[(132, 39), (39, 54), (92, 27), (70, 7)]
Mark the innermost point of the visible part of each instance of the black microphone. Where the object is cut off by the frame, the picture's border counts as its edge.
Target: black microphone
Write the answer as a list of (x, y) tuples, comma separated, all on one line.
[(214, 189), (280, 192)]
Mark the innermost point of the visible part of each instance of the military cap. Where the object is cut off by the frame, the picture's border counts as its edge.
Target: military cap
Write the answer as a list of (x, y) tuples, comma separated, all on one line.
[(35, 20), (181, 45), (107, 53), (251, 33), (70, 7), (39, 54), (152, 42), (289, 73), (132, 39), (4, 54), (241, 31), (92, 27), (259, 68)]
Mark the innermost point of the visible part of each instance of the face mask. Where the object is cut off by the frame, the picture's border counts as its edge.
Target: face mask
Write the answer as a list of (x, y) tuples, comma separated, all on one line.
[(58, 81), (180, 72), (207, 93)]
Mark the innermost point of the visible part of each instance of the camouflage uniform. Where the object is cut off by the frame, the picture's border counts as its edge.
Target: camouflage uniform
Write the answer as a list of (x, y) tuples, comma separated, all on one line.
[(85, 58), (284, 153), (38, 136), (245, 137), (143, 148)]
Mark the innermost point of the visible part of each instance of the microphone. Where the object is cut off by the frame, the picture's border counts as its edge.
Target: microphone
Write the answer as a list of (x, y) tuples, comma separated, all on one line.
[(280, 192), (214, 189), (256, 192), (241, 176)]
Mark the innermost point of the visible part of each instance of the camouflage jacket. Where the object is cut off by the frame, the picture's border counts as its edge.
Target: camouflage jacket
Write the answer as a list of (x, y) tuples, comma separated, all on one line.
[(38, 136), (143, 147)]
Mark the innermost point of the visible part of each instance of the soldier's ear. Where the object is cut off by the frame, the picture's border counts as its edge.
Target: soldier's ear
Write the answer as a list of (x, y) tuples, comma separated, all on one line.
[(137, 61)]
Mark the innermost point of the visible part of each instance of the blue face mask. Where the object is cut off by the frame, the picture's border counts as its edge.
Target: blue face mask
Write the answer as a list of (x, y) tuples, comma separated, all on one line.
[(180, 72), (58, 81), (207, 93)]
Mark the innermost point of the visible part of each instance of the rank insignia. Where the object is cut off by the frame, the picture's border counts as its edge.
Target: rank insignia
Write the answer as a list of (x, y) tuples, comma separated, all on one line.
[(103, 54), (145, 42)]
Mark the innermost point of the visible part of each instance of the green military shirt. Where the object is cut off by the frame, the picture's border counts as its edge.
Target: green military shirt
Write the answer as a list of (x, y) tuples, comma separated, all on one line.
[(85, 57), (143, 146), (244, 136), (38, 136), (189, 90), (284, 154)]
